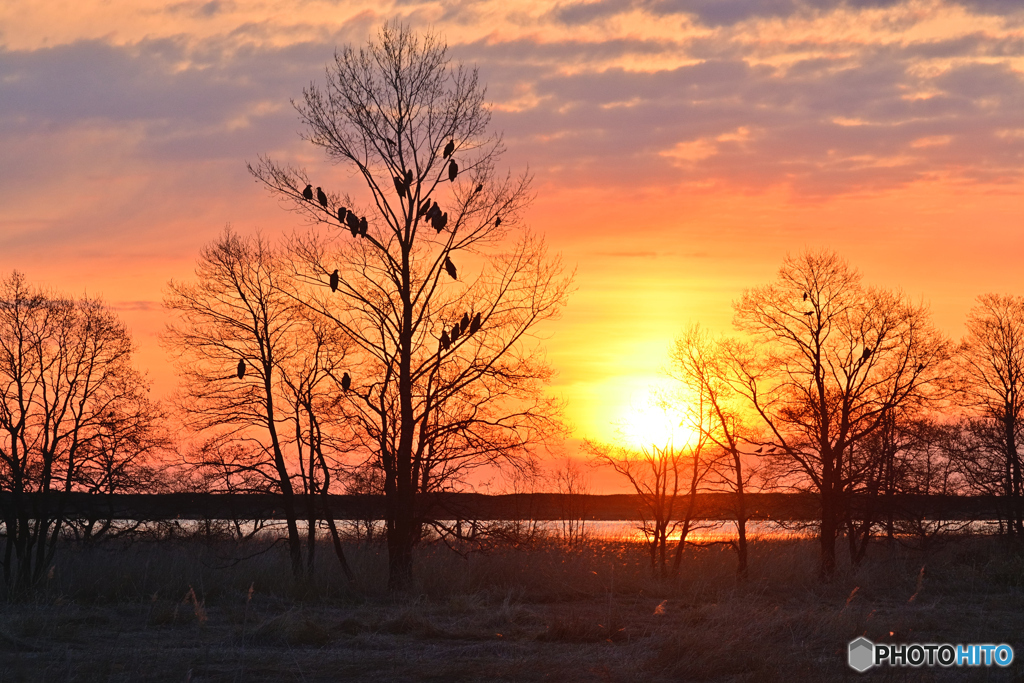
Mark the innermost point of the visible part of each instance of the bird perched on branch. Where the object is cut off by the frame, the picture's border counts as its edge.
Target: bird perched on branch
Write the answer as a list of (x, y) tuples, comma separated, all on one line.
[(453, 170), (866, 353), (449, 148), (408, 179), (464, 323), (439, 220), (334, 280), (450, 267), (479, 188), (342, 211), (456, 331), (808, 312), (475, 325), (446, 341), (805, 296), (363, 226), (307, 194), (346, 382), (497, 221), (424, 207), (240, 371), (399, 186), (321, 197)]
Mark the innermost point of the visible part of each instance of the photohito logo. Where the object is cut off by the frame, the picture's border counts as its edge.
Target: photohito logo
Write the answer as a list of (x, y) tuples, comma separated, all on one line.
[(863, 654)]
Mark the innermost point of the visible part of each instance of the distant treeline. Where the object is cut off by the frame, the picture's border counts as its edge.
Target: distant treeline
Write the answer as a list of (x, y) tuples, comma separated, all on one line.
[(475, 506)]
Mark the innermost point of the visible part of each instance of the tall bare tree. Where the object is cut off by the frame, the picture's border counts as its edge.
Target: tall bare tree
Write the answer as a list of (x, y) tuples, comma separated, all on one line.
[(992, 356), (256, 371), (701, 365), (67, 392), (432, 274), (835, 358)]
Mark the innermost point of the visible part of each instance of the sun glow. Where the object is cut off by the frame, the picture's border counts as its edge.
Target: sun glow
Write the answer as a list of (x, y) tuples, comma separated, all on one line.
[(653, 425)]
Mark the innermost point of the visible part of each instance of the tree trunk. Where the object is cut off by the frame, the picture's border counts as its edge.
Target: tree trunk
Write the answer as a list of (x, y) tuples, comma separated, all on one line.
[(827, 538)]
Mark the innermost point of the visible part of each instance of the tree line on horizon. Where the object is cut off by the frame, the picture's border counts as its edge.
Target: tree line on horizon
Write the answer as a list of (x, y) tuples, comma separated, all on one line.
[(391, 346)]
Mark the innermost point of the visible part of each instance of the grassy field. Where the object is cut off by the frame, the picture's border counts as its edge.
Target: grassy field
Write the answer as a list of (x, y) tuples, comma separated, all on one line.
[(187, 610)]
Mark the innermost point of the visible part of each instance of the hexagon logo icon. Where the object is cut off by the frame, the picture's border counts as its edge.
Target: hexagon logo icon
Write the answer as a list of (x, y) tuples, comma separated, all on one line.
[(861, 654)]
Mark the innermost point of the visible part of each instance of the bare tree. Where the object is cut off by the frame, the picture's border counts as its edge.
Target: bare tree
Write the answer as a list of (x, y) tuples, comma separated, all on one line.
[(432, 275), (992, 356), (837, 357), (701, 365), (258, 372), (574, 487), (660, 475), (67, 393)]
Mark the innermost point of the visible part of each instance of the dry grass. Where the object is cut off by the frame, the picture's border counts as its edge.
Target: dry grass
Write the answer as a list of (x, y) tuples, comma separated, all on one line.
[(183, 611)]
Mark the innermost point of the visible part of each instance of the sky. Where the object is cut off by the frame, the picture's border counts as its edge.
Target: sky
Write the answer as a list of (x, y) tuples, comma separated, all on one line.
[(680, 149)]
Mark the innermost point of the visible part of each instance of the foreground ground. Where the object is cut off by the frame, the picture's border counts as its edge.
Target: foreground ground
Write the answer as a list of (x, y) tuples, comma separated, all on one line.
[(188, 611)]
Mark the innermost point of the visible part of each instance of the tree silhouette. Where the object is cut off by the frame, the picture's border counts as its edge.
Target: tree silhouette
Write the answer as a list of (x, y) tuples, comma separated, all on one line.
[(67, 391), (833, 359), (426, 412), (992, 356), (701, 364), (242, 307)]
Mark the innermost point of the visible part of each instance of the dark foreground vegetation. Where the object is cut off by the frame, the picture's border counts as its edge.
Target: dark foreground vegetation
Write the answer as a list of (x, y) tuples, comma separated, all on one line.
[(192, 609)]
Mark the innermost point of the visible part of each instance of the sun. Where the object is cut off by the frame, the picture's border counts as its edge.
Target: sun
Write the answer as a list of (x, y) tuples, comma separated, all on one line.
[(650, 425)]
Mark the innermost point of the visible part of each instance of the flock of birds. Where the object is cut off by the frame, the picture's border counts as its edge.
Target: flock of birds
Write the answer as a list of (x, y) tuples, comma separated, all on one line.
[(428, 210), (463, 326)]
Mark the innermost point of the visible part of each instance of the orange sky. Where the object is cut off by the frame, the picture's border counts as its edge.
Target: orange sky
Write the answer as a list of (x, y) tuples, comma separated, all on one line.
[(680, 150)]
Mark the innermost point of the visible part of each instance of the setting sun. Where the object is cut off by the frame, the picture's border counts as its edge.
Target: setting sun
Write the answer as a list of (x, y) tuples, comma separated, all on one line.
[(649, 424)]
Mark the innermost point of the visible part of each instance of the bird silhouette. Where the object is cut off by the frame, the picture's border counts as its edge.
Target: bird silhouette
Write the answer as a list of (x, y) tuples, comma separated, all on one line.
[(497, 221), (808, 312), (408, 179), (241, 368), (450, 267), (321, 197), (389, 141), (399, 186), (456, 331), (424, 207), (307, 194), (442, 220), (346, 382), (479, 188), (759, 449), (446, 341), (920, 367), (475, 325), (805, 296), (865, 354), (453, 170), (334, 280), (436, 221), (464, 323), (362, 226), (449, 148), (341, 214)]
